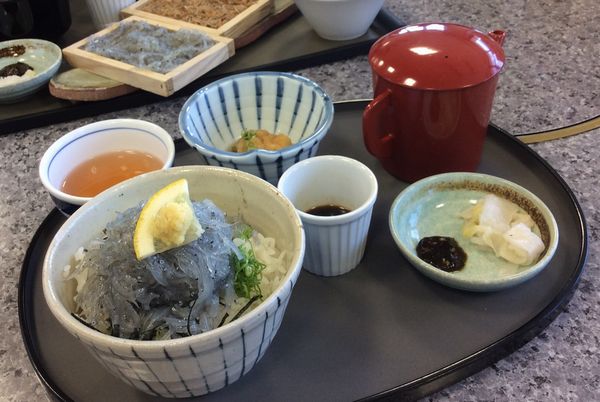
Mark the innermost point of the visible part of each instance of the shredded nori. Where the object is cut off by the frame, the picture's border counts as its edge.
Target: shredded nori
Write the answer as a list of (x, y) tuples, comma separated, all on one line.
[(84, 322), (246, 306)]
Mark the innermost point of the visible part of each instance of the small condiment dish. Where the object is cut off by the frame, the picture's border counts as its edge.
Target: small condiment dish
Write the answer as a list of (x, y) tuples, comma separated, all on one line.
[(339, 19), (433, 207), (334, 196), (214, 117), (92, 140), (42, 56)]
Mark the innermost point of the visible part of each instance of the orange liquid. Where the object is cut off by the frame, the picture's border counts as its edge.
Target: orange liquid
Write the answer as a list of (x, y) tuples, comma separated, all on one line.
[(103, 171)]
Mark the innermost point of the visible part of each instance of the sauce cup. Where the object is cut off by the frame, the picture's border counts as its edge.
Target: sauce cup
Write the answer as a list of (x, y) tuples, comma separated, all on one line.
[(89, 141), (334, 244)]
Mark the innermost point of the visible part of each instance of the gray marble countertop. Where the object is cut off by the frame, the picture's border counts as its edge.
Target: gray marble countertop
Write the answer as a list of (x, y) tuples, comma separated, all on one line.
[(552, 79)]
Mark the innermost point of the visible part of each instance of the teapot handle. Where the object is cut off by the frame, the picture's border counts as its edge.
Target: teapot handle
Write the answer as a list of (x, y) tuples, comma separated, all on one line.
[(376, 140), (498, 35)]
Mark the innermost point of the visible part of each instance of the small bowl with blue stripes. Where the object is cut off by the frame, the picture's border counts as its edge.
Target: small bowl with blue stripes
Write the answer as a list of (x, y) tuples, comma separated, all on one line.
[(95, 139), (214, 117)]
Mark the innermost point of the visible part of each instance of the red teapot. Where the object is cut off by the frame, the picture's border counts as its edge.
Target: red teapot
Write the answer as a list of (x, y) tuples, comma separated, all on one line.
[(434, 86)]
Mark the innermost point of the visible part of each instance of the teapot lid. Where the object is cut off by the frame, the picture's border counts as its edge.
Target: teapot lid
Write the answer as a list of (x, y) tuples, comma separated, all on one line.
[(437, 56)]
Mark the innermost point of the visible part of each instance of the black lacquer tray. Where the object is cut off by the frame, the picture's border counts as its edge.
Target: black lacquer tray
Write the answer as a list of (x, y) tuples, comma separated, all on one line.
[(381, 331), (289, 46)]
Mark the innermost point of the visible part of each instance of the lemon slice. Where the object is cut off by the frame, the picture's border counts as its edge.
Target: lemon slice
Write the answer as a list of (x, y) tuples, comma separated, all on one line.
[(166, 221)]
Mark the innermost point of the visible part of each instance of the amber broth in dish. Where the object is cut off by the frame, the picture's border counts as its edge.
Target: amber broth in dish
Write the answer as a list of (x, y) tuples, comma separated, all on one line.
[(95, 175)]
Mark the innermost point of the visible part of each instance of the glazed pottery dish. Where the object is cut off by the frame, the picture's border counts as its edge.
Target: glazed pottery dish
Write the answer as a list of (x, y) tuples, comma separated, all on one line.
[(433, 86), (27, 65), (503, 233), (336, 214), (227, 110), (163, 355), (339, 19), (100, 154)]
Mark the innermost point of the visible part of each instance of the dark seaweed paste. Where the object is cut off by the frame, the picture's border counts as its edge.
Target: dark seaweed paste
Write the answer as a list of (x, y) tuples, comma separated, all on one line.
[(442, 252), (12, 51), (15, 69)]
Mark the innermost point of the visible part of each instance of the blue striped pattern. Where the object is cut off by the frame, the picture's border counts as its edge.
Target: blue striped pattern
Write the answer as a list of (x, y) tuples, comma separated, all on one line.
[(336, 249), (197, 367), (215, 116)]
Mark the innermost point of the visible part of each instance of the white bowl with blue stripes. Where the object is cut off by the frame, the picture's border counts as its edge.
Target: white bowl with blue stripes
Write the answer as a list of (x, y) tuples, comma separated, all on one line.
[(214, 117), (197, 364), (92, 140)]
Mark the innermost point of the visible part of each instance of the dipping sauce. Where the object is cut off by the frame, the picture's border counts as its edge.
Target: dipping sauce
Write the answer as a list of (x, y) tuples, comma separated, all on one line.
[(442, 252), (328, 210), (93, 176)]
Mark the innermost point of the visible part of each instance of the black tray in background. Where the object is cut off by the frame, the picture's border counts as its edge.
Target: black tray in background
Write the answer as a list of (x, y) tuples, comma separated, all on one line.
[(382, 330), (289, 46)]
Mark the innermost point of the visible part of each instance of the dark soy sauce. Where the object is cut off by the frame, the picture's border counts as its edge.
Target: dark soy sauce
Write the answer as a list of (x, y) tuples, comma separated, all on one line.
[(328, 210)]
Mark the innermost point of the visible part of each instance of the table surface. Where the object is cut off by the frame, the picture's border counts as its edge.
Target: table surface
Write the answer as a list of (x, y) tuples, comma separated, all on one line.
[(552, 79)]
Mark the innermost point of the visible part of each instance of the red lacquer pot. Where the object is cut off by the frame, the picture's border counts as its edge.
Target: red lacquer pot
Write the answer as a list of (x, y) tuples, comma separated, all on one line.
[(433, 87)]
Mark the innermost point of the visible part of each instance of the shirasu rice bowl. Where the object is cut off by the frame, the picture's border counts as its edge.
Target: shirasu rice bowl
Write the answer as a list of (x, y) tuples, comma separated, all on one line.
[(180, 292), (187, 365)]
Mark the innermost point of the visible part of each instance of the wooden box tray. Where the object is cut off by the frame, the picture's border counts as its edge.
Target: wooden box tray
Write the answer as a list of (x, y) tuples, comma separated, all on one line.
[(160, 84), (268, 51), (233, 28)]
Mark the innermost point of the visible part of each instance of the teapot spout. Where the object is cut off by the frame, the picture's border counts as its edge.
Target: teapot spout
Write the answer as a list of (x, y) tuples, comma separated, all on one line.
[(498, 36)]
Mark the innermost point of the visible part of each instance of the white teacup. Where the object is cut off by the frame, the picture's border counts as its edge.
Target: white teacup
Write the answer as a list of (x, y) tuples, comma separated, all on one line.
[(106, 12), (92, 140), (334, 244)]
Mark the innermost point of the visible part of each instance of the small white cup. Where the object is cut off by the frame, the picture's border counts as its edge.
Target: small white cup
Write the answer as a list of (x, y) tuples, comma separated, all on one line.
[(91, 140), (339, 19), (334, 244), (105, 12)]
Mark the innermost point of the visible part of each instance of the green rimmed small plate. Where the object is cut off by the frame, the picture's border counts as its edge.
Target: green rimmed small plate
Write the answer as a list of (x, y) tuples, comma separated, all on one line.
[(431, 207), (42, 56)]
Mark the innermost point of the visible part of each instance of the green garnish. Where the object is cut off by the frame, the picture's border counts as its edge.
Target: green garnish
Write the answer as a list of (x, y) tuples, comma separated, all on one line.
[(247, 272), (247, 135)]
